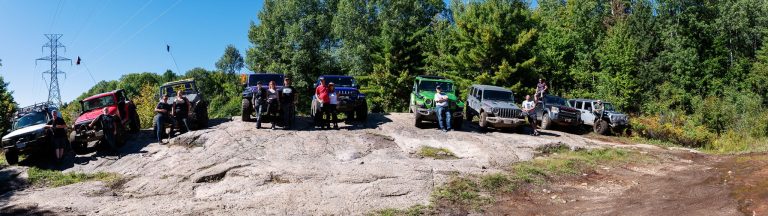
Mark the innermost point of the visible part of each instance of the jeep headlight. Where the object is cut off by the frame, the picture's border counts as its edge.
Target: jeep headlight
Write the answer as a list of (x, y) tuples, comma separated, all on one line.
[(428, 101), (555, 110)]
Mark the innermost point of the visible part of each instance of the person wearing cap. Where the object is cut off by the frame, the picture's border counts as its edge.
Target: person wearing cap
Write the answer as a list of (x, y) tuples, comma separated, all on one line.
[(441, 106), (273, 99), (288, 103), (321, 94), (259, 97), (59, 129), (162, 117), (333, 101)]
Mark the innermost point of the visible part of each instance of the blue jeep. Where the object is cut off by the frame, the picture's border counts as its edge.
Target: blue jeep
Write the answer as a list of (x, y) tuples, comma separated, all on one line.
[(249, 83), (351, 102)]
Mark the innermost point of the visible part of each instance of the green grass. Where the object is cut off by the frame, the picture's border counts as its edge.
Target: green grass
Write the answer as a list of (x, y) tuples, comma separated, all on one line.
[(471, 193), (52, 178), (436, 153)]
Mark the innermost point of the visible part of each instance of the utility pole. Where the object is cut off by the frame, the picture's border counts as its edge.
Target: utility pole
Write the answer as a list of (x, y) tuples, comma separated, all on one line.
[(54, 95)]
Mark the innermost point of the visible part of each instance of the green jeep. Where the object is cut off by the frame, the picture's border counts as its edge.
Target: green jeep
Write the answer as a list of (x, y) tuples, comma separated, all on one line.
[(422, 100)]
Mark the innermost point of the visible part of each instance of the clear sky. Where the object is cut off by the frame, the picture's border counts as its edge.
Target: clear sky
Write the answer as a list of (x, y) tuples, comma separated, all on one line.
[(116, 37)]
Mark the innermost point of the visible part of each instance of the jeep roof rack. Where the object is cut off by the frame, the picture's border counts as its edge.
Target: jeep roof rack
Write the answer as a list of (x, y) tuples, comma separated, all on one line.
[(38, 107), (431, 77)]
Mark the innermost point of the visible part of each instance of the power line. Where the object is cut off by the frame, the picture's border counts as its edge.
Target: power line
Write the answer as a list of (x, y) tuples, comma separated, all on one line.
[(88, 20), (119, 28), (55, 15)]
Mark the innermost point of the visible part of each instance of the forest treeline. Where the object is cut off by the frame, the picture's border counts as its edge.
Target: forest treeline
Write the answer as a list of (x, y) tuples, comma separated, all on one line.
[(692, 72)]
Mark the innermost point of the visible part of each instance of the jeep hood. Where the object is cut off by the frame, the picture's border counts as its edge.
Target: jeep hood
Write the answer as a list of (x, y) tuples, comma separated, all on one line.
[(89, 116), (24, 130), (431, 95), (500, 104)]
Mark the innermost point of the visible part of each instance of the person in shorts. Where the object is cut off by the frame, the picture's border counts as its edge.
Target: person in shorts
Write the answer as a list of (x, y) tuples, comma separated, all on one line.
[(529, 109), (58, 128)]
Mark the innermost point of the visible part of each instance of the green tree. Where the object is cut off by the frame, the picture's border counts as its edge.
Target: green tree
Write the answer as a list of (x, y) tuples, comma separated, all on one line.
[(355, 24), (7, 106), (619, 62), (231, 61), (169, 76)]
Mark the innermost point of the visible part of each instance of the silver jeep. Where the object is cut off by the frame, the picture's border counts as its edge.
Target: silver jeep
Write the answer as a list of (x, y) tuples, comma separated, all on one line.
[(494, 106), (602, 123)]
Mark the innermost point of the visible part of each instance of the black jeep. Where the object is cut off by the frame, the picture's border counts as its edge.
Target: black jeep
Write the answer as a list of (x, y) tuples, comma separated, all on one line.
[(249, 83), (28, 134), (553, 110)]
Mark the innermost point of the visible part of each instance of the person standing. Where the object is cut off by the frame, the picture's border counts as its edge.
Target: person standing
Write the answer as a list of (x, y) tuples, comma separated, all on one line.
[(58, 127), (541, 89), (273, 99), (288, 103), (441, 104), (321, 94), (108, 127), (529, 109), (180, 111), (333, 102), (162, 117), (259, 103)]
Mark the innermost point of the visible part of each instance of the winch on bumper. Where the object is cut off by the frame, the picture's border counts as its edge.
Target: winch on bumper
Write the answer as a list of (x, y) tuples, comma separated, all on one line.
[(83, 134), (429, 114)]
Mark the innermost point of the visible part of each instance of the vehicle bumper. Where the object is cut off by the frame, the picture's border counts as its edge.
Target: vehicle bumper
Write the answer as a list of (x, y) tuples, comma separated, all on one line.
[(348, 105), (499, 122), (431, 114), (565, 121), (28, 146)]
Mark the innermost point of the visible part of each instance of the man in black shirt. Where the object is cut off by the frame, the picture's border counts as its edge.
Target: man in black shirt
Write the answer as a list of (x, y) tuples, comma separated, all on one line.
[(259, 103), (163, 116), (58, 128), (288, 103), (180, 111), (108, 127)]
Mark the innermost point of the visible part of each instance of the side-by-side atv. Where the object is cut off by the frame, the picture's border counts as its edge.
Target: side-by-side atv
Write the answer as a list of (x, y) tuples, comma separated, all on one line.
[(28, 134), (118, 105)]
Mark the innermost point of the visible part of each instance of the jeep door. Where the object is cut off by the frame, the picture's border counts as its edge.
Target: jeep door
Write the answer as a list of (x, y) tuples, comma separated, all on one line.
[(414, 91), (586, 114), (473, 99)]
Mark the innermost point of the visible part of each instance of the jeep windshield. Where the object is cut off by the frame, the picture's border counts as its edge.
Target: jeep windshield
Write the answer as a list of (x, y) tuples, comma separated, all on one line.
[(608, 106), (427, 85), (498, 95), (98, 103), (30, 119), (551, 100), (265, 79), (340, 81), (187, 88)]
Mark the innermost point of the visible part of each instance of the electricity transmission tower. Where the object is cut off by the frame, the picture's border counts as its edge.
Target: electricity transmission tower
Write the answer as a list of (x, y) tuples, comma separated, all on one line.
[(53, 44)]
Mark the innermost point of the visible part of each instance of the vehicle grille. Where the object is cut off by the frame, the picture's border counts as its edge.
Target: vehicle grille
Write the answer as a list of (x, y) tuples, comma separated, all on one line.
[(507, 112), (568, 114), (345, 92)]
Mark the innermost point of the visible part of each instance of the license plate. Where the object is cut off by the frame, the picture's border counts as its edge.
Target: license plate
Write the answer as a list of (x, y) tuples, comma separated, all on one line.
[(21, 145), (568, 120)]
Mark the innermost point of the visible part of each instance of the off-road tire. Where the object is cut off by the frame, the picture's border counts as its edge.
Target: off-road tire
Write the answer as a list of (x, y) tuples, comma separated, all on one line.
[(601, 127), (202, 115), (546, 122), (481, 122), (12, 156), (246, 110), (417, 118), (361, 113), (468, 115), (135, 122), (457, 123)]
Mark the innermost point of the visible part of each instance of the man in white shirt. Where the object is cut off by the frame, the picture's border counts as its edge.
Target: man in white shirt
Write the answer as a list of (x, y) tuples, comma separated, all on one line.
[(441, 106), (332, 105), (529, 110)]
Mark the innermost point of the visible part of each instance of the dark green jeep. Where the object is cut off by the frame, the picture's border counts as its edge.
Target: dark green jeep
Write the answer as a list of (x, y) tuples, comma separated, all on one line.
[(422, 100)]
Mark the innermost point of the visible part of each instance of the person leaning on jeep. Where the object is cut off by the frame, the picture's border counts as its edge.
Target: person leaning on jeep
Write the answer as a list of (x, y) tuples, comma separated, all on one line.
[(59, 129), (163, 116), (321, 94), (273, 99), (441, 103), (259, 103), (180, 111), (599, 107), (108, 127), (530, 114)]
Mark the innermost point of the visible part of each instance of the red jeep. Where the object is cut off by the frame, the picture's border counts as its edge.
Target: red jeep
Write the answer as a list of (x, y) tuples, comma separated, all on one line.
[(118, 105)]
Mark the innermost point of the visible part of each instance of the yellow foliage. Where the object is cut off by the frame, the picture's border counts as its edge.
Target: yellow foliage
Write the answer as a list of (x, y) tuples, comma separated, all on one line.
[(145, 104)]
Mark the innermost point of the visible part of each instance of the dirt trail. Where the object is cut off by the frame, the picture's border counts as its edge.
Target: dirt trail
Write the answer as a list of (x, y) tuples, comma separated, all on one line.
[(233, 168)]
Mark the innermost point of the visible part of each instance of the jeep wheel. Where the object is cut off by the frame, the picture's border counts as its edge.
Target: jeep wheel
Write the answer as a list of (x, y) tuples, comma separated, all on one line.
[(546, 122), (483, 124), (417, 120), (457, 123), (362, 113), (12, 156), (246, 110), (202, 116), (601, 127), (135, 124), (468, 114)]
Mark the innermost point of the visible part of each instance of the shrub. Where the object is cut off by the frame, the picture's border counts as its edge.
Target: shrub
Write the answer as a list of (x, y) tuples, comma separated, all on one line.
[(675, 128)]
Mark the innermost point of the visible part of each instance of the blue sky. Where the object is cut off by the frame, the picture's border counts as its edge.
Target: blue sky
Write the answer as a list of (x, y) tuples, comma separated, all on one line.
[(116, 37)]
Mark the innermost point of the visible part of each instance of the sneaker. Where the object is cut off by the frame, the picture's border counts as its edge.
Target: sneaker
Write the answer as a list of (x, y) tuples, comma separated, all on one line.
[(445, 131)]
